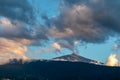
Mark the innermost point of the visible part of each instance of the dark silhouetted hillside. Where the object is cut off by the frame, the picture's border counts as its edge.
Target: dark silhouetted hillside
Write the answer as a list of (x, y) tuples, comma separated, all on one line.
[(57, 70)]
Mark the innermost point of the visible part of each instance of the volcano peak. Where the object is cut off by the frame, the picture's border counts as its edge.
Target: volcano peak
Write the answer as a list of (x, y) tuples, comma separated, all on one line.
[(75, 57)]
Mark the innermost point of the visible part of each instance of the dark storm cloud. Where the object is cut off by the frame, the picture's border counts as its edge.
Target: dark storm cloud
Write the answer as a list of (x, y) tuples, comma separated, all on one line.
[(18, 20), (104, 12), (87, 20), (15, 29), (17, 10)]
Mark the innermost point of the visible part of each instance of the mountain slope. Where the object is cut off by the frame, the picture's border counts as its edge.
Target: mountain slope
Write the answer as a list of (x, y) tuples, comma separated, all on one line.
[(76, 58)]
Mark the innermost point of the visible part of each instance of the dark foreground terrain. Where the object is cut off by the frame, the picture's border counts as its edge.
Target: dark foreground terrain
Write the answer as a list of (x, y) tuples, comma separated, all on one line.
[(57, 70)]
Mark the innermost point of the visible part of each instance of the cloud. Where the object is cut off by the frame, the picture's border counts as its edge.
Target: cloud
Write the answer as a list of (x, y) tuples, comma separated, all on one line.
[(116, 47), (92, 21), (65, 44), (112, 60), (16, 29), (17, 20), (17, 10), (56, 46), (10, 49)]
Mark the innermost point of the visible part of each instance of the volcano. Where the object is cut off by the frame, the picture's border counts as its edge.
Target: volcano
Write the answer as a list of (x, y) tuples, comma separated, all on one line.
[(74, 57)]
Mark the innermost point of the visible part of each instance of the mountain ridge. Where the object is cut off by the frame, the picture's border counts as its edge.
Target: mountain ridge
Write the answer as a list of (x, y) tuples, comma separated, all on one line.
[(74, 57)]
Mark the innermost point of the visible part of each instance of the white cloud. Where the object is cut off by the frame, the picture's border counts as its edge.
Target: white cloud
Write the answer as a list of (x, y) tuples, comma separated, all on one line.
[(112, 60)]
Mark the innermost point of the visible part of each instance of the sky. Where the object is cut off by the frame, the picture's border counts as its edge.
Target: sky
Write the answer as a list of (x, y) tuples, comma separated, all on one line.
[(44, 29)]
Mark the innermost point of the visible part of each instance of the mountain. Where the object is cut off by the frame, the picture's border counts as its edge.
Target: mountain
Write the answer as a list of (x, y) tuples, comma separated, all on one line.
[(74, 57), (57, 70)]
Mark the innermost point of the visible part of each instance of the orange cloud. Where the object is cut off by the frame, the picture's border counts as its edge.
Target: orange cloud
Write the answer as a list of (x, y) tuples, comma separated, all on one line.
[(10, 49)]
